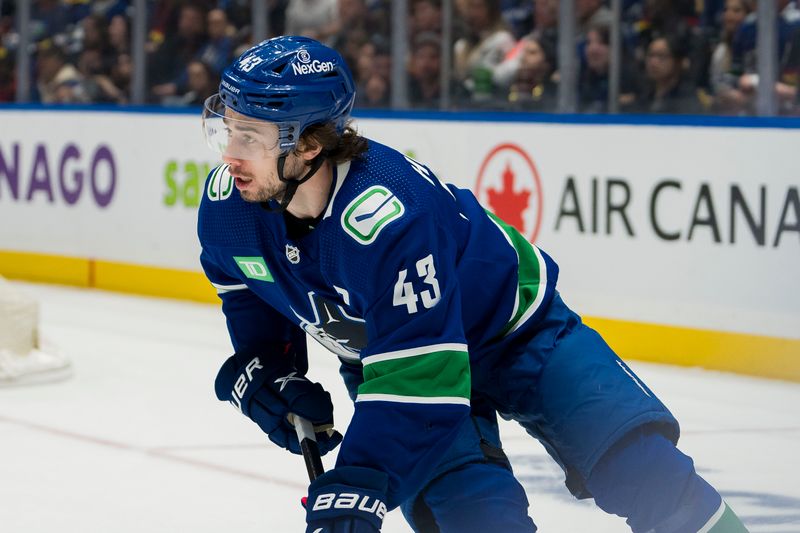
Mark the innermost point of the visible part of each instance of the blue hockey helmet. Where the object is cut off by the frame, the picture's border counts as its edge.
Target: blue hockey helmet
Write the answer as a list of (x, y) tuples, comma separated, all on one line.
[(289, 82)]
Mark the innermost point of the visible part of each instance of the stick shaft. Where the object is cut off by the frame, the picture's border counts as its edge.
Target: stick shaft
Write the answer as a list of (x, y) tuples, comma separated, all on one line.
[(309, 447)]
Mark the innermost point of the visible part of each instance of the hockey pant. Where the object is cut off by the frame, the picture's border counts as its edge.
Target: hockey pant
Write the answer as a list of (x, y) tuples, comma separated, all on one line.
[(612, 436)]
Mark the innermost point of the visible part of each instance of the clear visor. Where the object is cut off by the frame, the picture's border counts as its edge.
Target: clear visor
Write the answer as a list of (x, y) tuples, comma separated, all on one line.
[(238, 136)]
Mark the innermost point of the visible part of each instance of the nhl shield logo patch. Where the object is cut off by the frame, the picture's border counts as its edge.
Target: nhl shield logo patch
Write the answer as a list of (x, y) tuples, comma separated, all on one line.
[(292, 254)]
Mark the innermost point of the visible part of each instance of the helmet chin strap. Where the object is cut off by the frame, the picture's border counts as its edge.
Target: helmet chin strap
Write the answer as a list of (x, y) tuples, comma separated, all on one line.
[(291, 184)]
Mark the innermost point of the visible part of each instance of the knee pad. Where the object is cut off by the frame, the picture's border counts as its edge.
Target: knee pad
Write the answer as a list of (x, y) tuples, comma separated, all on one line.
[(647, 480), (475, 498)]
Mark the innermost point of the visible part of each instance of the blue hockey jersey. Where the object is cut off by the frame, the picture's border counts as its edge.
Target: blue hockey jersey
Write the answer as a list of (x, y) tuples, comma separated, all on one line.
[(404, 278)]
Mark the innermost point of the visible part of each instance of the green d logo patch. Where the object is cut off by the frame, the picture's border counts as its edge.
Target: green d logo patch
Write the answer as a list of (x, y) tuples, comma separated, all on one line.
[(370, 212), (254, 268)]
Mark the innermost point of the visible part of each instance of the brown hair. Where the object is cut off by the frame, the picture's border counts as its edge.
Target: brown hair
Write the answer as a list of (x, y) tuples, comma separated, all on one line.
[(337, 147)]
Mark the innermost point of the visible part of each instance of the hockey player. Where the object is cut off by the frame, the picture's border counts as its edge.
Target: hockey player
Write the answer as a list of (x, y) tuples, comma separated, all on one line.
[(441, 315)]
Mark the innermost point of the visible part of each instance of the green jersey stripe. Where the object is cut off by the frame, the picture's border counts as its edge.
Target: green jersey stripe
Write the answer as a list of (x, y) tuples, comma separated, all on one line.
[(723, 521), (429, 375), (411, 352), (412, 399), (531, 277), (536, 289)]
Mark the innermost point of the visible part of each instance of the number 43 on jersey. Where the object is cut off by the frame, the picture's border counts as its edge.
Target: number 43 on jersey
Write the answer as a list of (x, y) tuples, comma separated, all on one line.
[(404, 293)]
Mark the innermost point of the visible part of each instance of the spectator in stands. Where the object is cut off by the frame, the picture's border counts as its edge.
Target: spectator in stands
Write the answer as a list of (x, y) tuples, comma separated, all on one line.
[(240, 14), (533, 88), (667, 89), (374, 92), (787, 88), (665, 17), (593, 80), (374, 70), (375, 58), (92, 68), (119, 34), (744, 42), (108, 8), (163, 18), (365, 61), (424, 71), (95, 34), (478, 53), (50, 19), (744, 55), (380, 17), (591, 13), (712, 16), (670, 17), (168, 63), (518, 16), (357, 25), (8, 88), (121, 75), (201, 82), (7, 13), (217, 51), (382, 60), (545, 14), (352, 16), (426, 16), (318, 19), (728, 98), (57, 81), (545, 31)]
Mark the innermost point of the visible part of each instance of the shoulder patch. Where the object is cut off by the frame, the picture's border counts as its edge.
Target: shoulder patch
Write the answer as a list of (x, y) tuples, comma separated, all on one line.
[(220, 184), (371, 211)]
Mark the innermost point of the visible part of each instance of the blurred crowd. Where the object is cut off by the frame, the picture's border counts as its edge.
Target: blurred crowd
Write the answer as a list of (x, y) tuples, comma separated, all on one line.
[(679, 56)]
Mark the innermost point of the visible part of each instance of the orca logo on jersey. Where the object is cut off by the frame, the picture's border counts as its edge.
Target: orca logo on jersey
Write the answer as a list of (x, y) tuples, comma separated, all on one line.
[(334, 327), (220, 184), (370, 212)]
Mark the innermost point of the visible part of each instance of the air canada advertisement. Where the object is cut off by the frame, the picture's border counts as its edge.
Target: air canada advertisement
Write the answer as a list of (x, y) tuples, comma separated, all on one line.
[(686, 226)]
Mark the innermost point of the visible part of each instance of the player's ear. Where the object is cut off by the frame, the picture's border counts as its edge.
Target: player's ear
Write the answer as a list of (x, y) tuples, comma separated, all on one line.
[(308, 148)]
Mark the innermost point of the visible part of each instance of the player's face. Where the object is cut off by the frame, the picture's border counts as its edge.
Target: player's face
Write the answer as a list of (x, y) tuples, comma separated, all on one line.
[(257, 177)]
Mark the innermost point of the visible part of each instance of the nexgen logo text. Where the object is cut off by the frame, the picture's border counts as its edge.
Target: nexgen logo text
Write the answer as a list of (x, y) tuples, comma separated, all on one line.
[(314, 66)]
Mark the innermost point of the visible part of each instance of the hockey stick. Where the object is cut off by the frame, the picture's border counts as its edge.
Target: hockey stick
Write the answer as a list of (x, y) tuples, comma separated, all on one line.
[(309, 447)]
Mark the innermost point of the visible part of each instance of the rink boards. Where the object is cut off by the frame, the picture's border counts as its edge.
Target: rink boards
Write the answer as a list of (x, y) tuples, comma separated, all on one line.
[(679, 239)]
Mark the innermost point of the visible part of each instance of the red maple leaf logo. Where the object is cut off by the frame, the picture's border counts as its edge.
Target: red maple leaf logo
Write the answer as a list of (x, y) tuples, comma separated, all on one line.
[(507, 204)]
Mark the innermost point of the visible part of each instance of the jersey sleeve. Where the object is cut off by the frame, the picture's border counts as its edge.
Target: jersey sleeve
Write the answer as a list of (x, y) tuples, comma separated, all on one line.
[(416, 391), (254, 326)]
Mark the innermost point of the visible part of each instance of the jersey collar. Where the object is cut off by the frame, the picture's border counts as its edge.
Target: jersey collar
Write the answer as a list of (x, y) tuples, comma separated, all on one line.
[(339, 175)]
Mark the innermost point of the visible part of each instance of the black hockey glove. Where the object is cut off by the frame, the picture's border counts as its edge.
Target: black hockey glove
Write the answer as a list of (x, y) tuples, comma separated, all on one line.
[(347, 499), (267, 390)]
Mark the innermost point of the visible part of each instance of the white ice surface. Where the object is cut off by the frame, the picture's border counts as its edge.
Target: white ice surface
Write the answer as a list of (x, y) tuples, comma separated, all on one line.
[(136, 441)]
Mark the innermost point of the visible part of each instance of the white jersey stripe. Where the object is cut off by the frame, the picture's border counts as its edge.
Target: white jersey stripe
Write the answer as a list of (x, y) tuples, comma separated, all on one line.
[(412, 399), (714, 519), (508, 239), (221, 289), (411, 352)]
